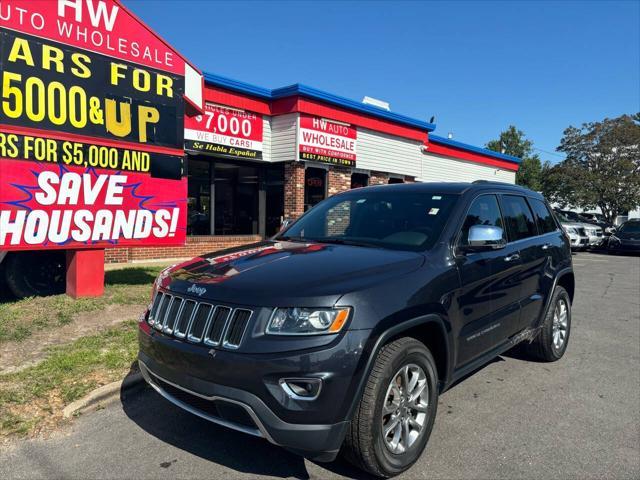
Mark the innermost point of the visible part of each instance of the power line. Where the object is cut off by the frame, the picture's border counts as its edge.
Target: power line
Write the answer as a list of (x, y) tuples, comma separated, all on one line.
[(550, 153)]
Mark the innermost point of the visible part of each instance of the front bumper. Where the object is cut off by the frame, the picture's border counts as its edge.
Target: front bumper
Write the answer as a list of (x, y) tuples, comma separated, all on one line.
[(595, 240), (579, 242), (242, 391)]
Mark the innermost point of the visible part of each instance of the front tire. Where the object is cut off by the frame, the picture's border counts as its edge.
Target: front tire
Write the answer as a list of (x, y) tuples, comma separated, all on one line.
[(395, 416), (552, 341)]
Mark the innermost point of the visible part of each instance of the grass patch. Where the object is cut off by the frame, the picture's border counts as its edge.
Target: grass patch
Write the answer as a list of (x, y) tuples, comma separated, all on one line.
[(39, 393), (128, 286)]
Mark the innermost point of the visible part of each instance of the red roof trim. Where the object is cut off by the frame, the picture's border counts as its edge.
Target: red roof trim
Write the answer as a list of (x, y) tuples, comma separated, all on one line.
[(312, 107), (295, 104), (232, 99), (469, 156)]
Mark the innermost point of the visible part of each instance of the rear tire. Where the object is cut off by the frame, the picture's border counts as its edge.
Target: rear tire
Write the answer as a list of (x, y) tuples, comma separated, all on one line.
[(386, 405), (29, 274), (552, 341)]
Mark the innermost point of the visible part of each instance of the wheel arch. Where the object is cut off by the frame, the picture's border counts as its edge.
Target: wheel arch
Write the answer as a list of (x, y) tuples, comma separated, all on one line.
[(564, 278), (567, 280), (432, 330)]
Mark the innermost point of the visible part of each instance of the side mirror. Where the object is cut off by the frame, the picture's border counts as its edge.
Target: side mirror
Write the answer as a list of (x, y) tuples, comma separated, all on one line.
[(485, 237)]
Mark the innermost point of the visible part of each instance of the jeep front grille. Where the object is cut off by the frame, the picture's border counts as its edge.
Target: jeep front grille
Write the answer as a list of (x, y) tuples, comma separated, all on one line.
[(199, 322)]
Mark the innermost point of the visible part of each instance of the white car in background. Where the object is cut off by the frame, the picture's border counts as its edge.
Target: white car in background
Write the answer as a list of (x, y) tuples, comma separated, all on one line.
[(578, 235), (594, 231)]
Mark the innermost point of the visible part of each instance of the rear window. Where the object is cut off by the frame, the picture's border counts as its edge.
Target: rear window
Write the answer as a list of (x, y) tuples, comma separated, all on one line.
[(544, 219), (518, 218)]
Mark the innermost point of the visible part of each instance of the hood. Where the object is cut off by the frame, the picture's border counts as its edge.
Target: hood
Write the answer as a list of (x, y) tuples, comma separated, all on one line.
[(578, 225), (287, 273)]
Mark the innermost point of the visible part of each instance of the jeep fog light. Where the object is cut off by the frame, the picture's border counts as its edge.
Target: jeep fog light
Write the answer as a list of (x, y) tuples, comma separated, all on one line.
[(301, 388)]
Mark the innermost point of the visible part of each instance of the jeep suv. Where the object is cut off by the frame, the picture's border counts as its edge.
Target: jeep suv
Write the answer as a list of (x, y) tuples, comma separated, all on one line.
[(341, 331)]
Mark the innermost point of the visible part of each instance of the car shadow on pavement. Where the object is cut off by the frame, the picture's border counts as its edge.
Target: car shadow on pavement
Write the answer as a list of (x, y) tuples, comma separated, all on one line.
[(235, 450), (231, 449)]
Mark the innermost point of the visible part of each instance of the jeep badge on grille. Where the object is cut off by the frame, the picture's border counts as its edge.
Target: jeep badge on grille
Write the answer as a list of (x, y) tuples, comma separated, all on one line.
[(197, 290)]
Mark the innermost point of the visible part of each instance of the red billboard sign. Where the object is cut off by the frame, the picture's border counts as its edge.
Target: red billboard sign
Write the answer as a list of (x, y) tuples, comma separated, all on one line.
[(327, 141), (91, 128), (223, 130)]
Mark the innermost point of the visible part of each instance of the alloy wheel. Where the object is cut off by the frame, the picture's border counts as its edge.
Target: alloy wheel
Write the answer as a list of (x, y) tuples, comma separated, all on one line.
[(404, 413), (560, 323)]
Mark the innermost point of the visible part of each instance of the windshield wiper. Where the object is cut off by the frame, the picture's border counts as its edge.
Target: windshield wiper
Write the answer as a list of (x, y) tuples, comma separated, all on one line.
[(286, 238), (342, 241)]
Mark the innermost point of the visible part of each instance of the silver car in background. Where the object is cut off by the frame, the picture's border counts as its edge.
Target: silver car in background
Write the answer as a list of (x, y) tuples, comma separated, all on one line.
[(577, 232), (592, 229)]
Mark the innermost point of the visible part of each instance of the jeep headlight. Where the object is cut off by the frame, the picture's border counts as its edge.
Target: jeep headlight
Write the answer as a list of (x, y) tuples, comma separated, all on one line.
[(307, 321), (571, 230)]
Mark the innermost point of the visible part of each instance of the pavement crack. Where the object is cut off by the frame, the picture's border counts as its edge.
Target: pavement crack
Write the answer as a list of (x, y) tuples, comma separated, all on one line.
[(606, 289)]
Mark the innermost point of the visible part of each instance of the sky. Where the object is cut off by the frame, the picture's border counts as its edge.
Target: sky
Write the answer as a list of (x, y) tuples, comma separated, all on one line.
[(477, 66)]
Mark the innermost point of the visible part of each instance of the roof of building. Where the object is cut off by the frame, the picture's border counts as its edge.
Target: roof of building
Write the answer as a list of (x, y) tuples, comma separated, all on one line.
[(451, 187), (465, 146), (298, 89)]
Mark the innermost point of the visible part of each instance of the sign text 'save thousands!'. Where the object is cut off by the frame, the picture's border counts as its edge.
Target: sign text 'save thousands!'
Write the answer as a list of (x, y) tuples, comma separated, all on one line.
[(323, 140), (225, 131), (91, 128)]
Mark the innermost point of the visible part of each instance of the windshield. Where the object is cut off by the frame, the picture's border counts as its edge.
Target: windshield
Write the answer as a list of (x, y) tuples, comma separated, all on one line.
[(562, 217), (376, 218), (630, 227)]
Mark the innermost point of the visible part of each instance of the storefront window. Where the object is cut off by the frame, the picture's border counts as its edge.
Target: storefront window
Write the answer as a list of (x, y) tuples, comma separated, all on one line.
[(236, 199), (315, 186), (359, 180), (199, 200)]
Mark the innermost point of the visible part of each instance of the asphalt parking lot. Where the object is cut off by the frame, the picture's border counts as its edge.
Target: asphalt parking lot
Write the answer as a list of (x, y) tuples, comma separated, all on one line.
[(577, 418)]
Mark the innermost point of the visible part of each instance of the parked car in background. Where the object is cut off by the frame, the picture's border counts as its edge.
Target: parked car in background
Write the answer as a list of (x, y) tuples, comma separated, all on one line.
[(577, 242), (598, 219), (626, 238), (592, 229), (576, 231)]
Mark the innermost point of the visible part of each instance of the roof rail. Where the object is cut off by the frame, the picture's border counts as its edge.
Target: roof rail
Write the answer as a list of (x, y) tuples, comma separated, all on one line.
[(475, 182)]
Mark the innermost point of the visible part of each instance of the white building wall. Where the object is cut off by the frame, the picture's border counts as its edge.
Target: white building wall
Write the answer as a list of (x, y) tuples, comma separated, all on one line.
[(438, 168), (266, 138), (283, 138), (385, 153)]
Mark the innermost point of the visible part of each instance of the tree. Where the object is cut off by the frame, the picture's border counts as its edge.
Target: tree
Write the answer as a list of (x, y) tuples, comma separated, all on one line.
[(602, 168), (514, 142)]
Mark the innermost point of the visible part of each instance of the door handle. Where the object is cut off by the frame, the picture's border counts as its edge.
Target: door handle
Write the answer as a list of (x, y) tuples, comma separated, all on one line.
[(512, 258), (546, 246)]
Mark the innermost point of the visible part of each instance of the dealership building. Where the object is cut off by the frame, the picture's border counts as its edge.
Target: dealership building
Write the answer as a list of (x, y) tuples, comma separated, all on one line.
[(258, 156)]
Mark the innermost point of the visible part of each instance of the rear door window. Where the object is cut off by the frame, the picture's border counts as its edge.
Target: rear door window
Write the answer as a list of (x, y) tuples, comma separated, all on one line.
[(518, 218), (544, 219)]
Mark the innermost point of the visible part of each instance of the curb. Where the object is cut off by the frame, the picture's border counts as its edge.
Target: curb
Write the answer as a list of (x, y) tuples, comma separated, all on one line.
[(104, 395)]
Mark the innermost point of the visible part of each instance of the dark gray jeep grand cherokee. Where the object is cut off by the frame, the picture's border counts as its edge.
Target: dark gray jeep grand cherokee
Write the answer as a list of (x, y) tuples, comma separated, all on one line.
[(340, 332)]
